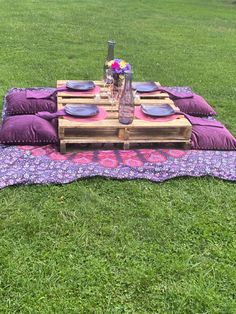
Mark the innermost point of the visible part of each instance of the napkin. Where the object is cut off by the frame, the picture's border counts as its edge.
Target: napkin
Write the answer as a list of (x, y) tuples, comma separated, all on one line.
[(177, 91), (42, 94), (202, 121), (49, 116)]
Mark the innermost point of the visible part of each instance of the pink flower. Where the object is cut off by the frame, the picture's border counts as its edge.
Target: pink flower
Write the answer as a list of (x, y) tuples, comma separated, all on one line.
[(115, 66)]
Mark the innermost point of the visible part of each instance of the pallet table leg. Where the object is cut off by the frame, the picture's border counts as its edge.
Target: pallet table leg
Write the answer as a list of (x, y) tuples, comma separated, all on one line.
[(62, 148), (121, 134), (61, 132), (186, 145), (126, 145)]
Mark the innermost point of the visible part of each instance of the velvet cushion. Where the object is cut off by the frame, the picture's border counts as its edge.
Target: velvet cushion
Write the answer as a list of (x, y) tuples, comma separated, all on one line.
[(17, 103), (27, 129), (211, 135), (196, 106)]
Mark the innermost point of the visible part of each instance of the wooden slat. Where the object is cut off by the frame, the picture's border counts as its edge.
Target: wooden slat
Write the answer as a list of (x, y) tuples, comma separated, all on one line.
[(127, 134), (113, 139), (97, 82), (103, 101), (181, 122), (107, 139), (154, 95), (70, 94), (154, 101), (86, 101)]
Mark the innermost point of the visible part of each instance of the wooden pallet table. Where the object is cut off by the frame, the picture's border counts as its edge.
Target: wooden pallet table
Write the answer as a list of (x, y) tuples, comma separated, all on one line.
[(109, 130)]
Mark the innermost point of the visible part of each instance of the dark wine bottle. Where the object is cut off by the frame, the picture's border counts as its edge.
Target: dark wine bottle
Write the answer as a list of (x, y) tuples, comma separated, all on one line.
[(110, 56)]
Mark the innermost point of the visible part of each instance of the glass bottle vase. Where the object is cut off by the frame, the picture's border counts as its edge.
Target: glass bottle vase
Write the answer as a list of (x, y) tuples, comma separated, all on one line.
[(126, 101)]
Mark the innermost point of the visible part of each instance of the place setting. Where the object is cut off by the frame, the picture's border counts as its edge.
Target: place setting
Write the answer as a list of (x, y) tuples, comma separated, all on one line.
[(76, 88), (145, 89), (80, 85), (84, 112), (79, 88), (151, 88), (76, 112), (156, 113)]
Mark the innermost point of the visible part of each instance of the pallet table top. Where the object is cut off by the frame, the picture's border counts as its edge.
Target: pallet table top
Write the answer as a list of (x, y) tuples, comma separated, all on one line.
[(110, 130)]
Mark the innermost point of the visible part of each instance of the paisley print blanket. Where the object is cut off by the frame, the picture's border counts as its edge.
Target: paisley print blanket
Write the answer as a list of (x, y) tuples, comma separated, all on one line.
[(45, 165)]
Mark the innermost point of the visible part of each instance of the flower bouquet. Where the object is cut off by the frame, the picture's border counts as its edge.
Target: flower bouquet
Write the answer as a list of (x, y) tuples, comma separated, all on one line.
[(118, 68)]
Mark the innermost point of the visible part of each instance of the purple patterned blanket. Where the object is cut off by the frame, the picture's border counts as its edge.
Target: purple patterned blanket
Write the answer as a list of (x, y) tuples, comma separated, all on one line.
[(45, 165)]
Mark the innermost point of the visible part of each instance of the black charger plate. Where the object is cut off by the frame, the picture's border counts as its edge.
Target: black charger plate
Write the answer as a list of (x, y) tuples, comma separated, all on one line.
[(145, 87), (80, 86), (163, 110), (82, 110)]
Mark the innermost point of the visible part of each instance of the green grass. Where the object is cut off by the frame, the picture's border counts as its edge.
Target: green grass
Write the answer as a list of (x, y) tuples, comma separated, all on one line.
[(107, 246)]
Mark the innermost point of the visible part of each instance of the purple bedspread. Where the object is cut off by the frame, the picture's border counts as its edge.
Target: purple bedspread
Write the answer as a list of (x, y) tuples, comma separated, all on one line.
[(45, 165)]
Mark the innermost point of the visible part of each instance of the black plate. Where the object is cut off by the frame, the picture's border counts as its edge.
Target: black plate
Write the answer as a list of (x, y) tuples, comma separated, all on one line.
[(80, 86), (83, 110), (163, 110), (145, 87)]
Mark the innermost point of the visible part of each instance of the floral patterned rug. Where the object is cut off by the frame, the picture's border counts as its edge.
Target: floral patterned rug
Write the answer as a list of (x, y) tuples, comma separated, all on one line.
[(45, 165)]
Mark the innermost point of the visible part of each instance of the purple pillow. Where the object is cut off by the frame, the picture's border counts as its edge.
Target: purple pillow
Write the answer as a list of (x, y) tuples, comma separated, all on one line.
[(17, 103), (211, 137), (195, 106), (27, 130)]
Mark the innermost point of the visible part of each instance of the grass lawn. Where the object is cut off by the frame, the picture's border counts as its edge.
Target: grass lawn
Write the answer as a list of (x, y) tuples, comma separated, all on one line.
[(107, 246)]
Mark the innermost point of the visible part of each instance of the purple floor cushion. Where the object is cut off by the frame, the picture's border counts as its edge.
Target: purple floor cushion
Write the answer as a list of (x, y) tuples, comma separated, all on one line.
[(195, 106), (17, 103), (27, 129), (211, 135)]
